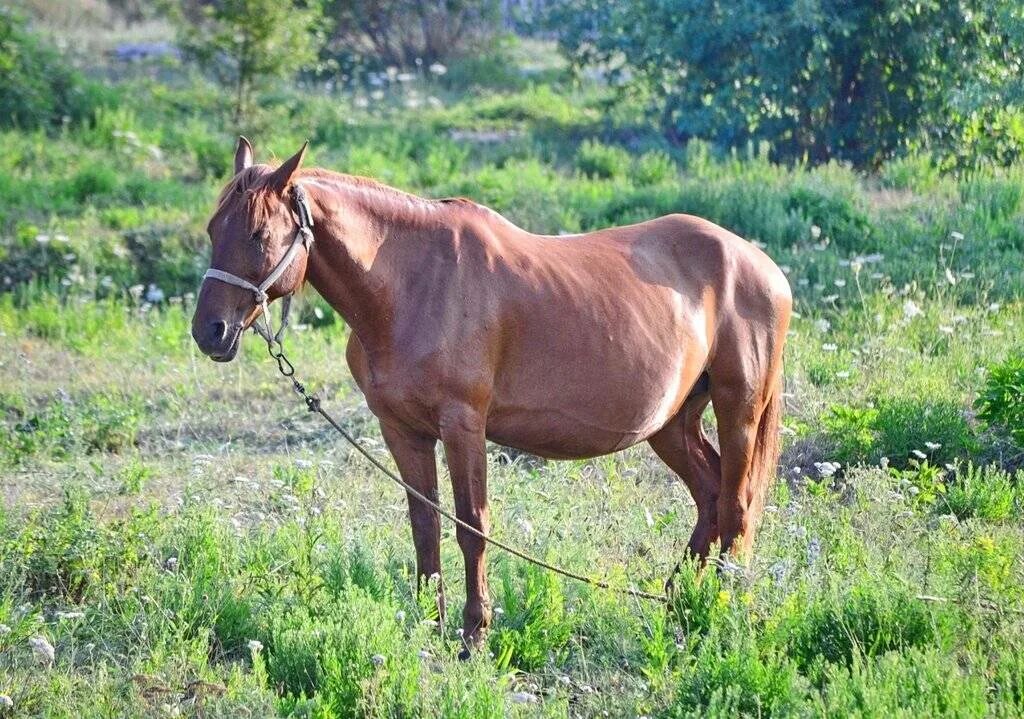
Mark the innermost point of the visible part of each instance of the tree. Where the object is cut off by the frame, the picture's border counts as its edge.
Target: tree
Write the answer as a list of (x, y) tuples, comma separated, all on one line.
[(248, 42), (849, 79), (403, 32)]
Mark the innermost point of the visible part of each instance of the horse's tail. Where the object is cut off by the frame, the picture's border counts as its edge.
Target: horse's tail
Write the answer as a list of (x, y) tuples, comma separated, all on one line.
[(766, 454)]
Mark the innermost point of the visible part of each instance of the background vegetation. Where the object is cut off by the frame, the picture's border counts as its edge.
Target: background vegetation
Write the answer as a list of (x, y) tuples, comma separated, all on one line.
[(188, 542)]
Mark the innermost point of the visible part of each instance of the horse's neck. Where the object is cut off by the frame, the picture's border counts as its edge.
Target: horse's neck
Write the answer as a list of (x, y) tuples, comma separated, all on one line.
[(352, 223)]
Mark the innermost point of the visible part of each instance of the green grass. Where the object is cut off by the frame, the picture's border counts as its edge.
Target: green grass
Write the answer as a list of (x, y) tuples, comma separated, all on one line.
[(192, 542)]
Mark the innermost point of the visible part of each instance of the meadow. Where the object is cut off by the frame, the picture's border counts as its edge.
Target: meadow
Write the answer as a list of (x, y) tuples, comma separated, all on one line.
[(190, 542)]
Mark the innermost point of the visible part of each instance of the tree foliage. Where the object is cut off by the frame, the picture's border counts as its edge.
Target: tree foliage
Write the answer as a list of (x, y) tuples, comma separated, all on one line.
[(851, 79), (245, 43), (37, 88), (408, 32)]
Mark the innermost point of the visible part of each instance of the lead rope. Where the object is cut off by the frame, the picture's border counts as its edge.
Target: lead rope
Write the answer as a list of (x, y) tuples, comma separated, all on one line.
[(286, 368)]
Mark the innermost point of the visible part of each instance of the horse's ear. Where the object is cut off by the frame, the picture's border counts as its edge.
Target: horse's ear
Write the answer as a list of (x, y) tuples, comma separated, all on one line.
[(282, 176), (243, 154)]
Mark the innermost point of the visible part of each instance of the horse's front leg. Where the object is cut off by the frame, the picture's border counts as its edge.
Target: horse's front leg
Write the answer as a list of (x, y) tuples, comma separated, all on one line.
[(414, 455), (462, 433)]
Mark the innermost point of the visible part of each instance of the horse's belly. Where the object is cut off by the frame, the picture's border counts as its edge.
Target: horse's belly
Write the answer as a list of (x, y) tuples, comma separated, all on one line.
[(574, 429)]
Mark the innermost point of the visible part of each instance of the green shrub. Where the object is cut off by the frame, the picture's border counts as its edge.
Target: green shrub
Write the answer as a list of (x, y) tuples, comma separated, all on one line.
[(1001, 401), (94, 181), (534, 624), (852, 432), (594, 159), (906, 425), (917, 172), (652, 168), (37, 88), (839, 218), (740, 680), (870, 618), (696, 599), (983, 492), (917, 683), (169, 256), (100, 423)]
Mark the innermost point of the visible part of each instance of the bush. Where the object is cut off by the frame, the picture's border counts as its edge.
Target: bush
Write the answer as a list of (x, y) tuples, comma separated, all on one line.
[(839, 218), (603, 161), (102, 423), (37, 89), (739, 681), (94, 181), (534, 624), (652, 168), (921, 682), (1001, 402), (984, 492), (869, 619)]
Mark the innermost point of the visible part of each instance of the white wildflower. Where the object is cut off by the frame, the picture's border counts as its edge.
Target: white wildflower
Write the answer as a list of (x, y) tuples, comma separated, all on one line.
[(255, 646), (61, 616), (932, 446), (919, 454), (523, 698), (829, 347), (42, 650), (827, 469), (437, 69), (813, 550), (815, 231), (154, 294), (378, 660), (822, 325), (911, 310), (956, 235), (6, 703), (400, 616), (4, 629)]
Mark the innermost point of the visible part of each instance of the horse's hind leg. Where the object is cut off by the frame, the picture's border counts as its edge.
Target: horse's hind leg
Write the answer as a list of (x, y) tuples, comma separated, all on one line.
[(683, 446), (746, 397)]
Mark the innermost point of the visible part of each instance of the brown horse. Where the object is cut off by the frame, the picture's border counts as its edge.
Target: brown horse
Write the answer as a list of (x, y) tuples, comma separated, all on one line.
[(466, 328)]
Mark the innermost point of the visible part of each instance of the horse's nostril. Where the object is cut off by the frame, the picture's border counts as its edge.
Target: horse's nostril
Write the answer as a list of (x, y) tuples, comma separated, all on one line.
[(218, 330)]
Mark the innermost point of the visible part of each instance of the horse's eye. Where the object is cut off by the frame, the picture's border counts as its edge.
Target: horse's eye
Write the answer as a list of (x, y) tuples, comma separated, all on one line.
[(256, 237)]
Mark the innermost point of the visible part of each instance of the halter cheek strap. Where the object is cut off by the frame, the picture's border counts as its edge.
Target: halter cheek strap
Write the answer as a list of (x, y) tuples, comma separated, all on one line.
[(304, 240)]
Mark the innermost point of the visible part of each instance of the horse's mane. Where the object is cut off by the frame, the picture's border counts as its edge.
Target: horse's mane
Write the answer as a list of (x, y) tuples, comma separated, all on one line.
[(249, 186)]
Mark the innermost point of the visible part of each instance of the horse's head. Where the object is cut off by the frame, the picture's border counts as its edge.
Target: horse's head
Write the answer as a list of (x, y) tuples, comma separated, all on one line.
[(251, 231)]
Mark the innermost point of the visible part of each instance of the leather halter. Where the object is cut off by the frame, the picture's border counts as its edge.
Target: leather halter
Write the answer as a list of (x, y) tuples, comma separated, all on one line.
[(303, 238)]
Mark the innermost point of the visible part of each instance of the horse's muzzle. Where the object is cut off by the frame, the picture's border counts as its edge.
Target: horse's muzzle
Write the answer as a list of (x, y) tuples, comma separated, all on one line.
[(217, 339)]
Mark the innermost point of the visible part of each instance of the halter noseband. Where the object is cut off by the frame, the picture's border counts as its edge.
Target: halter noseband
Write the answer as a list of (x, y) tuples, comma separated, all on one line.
[(304, 239)]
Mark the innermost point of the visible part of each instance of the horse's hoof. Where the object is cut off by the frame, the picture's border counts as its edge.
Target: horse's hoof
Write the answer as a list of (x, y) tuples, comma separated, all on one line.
[(465, 654)]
